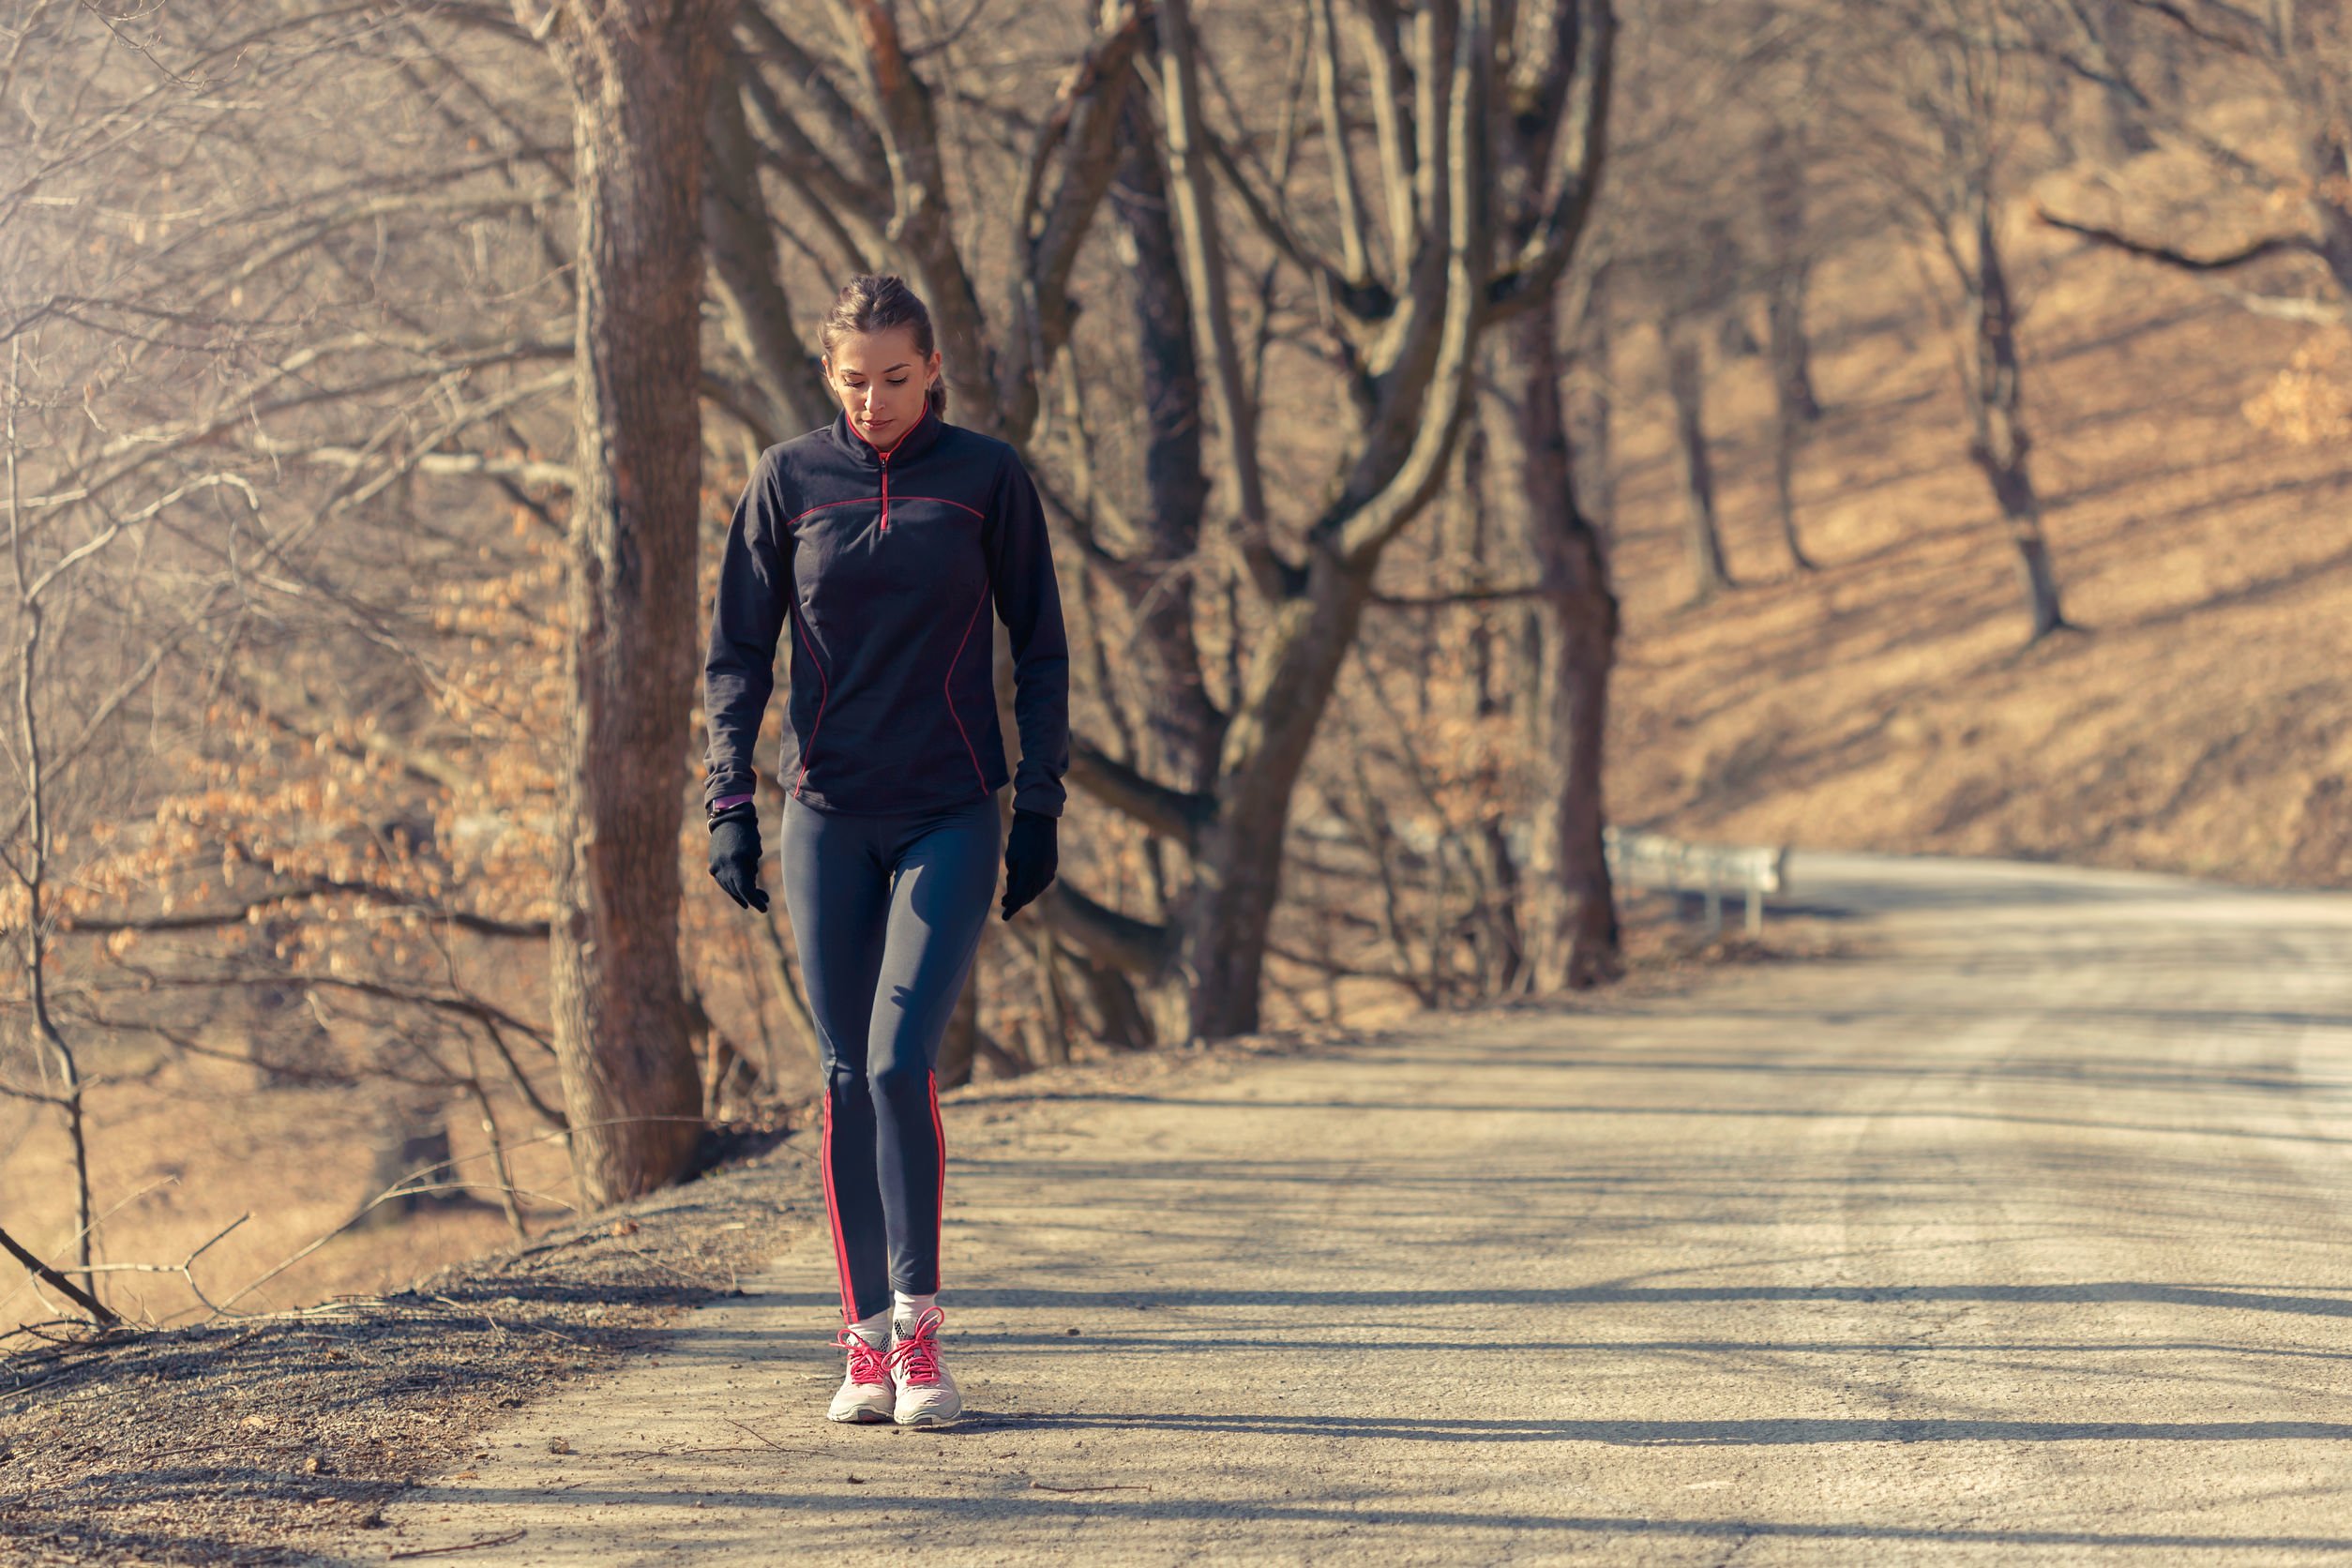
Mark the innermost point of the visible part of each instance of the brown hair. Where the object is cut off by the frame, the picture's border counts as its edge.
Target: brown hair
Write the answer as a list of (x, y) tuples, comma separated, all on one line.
[(876, 304)]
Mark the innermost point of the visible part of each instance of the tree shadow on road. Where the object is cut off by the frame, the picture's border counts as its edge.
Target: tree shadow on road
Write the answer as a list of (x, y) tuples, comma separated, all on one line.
[(1763, 1432), (2240, 1298), (1357, 1514)]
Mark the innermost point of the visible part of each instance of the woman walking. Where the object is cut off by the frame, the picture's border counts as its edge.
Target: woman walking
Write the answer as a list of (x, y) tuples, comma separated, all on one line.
[(884, 539)]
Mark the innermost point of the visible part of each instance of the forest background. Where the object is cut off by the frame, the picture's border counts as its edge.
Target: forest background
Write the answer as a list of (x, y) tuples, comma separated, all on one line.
[(1897, 423)]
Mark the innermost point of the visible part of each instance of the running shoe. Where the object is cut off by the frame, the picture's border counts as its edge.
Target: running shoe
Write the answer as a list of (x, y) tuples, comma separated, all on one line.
[(927, 1396), (864, 1393)]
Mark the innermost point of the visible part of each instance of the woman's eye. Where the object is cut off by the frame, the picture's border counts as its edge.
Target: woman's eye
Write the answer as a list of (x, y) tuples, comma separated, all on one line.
[(900, 382)]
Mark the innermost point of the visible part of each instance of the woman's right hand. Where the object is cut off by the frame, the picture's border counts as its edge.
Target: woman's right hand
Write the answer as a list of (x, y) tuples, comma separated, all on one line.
[(735, 856)]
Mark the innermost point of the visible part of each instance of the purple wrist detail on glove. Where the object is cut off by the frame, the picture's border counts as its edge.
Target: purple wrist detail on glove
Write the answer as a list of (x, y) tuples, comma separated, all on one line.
[(725, 800)]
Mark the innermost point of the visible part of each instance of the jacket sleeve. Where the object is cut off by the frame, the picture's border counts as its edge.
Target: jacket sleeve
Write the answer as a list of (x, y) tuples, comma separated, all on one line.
[(755, 586), (1029, 601)]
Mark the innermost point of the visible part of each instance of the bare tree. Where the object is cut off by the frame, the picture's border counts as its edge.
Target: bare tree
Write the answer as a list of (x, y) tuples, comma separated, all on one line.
[(1945, 86), (640, 76), (1406, 337), (37, 580), (1569, 909), (1686, 339), (1787, 273), (1404, 329), (2302, 54)]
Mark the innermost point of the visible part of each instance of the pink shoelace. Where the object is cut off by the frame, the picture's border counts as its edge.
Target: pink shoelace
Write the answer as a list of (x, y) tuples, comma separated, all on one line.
[(868, 1367), (915, 1359)]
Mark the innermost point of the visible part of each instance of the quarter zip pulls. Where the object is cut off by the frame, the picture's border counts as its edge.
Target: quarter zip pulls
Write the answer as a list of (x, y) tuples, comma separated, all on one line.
[(882, 456)]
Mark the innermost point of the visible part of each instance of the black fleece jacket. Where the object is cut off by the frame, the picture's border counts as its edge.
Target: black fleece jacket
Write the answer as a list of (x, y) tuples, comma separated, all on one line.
[(886, 565)]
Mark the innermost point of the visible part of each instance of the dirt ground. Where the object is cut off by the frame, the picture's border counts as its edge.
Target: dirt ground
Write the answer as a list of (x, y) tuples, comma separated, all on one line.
[(2013, 1235), (241, 1442)]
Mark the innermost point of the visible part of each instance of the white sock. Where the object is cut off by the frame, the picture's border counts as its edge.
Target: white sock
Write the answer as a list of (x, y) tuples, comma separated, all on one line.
[(875, 1331), (909, 1309)]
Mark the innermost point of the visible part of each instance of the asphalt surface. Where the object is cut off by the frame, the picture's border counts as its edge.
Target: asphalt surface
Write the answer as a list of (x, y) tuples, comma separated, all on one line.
[(2019, 1237)]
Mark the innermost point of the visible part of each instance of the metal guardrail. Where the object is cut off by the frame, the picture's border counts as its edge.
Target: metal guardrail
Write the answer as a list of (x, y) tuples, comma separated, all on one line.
[(1652, 860)]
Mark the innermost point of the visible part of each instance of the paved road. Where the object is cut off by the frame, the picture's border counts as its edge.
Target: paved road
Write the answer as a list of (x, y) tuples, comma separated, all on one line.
[(2022, 1237)]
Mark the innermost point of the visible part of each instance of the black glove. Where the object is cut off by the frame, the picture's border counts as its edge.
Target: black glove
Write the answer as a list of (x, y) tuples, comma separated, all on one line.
[(1030, 858), (735, 856)]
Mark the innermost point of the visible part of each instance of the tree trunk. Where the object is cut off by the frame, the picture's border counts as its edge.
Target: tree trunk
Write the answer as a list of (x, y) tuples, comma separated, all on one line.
[(640, 77), (1489, 652), (1238, 862), (1569, 924), (2002, 446), (1788, 438), (1187, 725), (747, 278), (31, 869), (1589, 407), (2330, 162), (412, 1143), (1786, 345), (1789, 267), (1686, 383), (1796, 406), (2115, 118)]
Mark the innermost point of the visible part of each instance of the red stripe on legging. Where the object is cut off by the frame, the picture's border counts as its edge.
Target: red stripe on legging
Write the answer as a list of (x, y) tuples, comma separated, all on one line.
[(939, 1214), (833, 1219)]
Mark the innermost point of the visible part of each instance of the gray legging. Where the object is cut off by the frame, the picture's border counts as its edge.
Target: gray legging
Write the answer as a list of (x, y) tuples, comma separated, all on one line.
[(887, 911)]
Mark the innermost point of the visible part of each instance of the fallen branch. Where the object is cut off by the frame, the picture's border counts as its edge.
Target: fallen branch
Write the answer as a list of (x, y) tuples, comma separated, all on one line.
[(461, 1546), (97, 1310), (186, 1268)]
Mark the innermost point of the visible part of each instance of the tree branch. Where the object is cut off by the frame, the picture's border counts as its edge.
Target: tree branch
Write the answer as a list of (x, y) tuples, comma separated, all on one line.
[(242, 915), (2254, 251), (89, 1304), (1172, 813)]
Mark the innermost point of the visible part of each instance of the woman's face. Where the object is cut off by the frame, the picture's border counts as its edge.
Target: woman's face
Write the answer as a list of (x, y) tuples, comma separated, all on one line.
[(882, 380)]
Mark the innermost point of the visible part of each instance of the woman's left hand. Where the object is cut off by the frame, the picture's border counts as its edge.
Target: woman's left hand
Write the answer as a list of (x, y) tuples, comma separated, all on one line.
[(1031, 858)]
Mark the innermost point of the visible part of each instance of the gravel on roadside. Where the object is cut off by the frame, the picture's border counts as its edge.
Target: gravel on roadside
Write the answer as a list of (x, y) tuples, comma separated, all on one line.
[(252, 1441)]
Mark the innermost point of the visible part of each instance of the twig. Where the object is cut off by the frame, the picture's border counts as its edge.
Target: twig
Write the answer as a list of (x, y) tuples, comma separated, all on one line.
[(186, 1269), (769, 1442), (1044, 1487), (496, 1327), (464, 1546)]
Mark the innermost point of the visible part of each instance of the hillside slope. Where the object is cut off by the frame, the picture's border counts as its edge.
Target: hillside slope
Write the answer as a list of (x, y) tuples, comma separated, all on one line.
[(2203, 725)]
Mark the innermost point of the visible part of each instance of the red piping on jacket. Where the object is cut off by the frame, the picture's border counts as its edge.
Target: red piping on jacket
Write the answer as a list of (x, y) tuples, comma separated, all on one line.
[(946, 686), (944, 502), (857, 500), (829, 506), (824, 691)]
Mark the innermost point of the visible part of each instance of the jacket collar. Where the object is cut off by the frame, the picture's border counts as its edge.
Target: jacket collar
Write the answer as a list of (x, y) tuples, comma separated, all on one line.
[(921, 439)]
